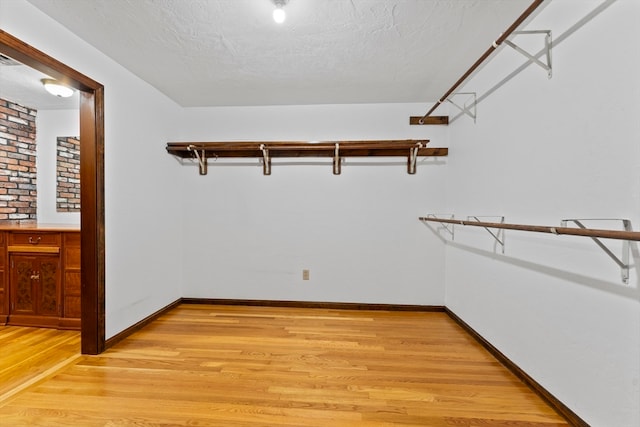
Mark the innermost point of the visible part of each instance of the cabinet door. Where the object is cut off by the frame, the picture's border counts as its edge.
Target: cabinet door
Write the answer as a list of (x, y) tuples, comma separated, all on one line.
[(23, 284), (35, 285), (48, 286)]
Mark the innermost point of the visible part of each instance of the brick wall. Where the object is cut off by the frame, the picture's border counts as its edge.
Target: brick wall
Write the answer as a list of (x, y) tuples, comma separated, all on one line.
[(68, 173), (17, 162)]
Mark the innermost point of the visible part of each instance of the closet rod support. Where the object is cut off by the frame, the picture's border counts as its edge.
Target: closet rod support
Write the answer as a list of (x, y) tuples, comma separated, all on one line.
[(466, 108), (445, 226), (547, 49), (622, 263), (499, 236)]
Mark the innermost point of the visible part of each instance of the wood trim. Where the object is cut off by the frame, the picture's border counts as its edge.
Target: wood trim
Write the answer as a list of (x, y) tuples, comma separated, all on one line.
[(431, 120), (556, 404), (71, 324), (92, 221), (34, 249), (34, 58), (92, 179), (35, 321), (141, 324), (314, 304)]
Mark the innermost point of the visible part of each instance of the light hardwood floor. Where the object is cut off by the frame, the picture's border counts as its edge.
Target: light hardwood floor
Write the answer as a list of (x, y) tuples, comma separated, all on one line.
[(29, 355), (202, 365)]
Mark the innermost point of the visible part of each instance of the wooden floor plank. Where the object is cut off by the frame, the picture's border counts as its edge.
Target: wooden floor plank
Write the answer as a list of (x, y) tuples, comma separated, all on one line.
[(216, 365), (28, 355)]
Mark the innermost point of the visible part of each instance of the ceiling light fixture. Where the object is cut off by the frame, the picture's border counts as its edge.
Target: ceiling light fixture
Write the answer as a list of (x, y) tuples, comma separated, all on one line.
[(56, 88), (279, 14)]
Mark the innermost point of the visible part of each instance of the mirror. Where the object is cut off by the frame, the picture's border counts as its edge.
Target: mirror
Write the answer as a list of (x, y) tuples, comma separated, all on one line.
[(68, 174)]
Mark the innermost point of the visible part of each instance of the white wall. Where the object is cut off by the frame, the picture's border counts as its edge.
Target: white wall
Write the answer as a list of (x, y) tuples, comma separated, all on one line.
[(543, 150), (143, 201), (50, 125), (249, 236)]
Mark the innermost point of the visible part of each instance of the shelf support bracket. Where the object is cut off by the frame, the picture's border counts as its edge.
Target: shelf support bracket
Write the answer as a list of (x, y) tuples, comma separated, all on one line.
[(413, 158), (547, 49), (445, 226), (266, 160), (622, 263), (467, 108), (337, 161), (202, 159), (499, 236)]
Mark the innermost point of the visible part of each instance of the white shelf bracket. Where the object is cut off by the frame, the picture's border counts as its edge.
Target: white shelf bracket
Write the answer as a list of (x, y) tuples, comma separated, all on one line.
[(445, 226), (622, 263), (498, 236), (469, 105), (548, 44), (202, 159)]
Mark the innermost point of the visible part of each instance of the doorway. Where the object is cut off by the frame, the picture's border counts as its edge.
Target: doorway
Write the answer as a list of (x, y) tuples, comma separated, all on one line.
[(92, 189)]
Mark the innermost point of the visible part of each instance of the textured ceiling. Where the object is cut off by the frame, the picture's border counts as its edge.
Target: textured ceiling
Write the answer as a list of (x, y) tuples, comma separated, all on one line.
[(230, 52)]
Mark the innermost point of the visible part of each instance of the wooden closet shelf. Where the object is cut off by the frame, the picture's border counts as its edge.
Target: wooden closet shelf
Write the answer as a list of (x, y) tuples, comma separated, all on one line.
[(266, 150), (390, 148)]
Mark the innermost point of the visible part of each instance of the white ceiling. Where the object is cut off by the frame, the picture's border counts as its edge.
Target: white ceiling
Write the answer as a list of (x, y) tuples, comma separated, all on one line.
[(231, 52), (22, 85)]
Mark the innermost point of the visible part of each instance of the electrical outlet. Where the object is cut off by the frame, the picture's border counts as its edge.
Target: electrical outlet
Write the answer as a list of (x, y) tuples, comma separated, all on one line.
[(305, 274)]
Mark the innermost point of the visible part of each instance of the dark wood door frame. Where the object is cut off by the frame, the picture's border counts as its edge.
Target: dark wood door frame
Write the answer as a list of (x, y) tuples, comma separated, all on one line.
[(92, 183)]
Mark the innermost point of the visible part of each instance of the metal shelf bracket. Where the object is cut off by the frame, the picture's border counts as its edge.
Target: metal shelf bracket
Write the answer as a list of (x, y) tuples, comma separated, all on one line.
[(467, 108), (548, 43), (412, 159), (445, 226), (266, 160), (622, 263), (498, 236), (202, 159), (337, 160)]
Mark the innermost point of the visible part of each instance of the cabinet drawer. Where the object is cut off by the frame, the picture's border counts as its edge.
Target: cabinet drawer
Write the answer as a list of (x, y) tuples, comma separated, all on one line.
[(35, 238)]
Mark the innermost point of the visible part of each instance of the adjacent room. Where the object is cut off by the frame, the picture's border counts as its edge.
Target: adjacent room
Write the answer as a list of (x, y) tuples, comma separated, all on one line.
[(322, 213)]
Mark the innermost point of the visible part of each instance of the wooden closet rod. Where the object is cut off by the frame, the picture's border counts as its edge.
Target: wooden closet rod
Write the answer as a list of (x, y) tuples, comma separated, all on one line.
[(588, 232), (484, 56)]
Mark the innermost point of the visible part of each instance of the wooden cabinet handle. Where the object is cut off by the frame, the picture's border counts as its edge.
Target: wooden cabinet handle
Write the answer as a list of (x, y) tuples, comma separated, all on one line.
[(35, 241)]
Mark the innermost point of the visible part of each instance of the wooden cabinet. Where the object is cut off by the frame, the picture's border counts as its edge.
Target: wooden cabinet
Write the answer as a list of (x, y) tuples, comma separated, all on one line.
[(41, 276), (35, 289), (4, 298), (71, 281)]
